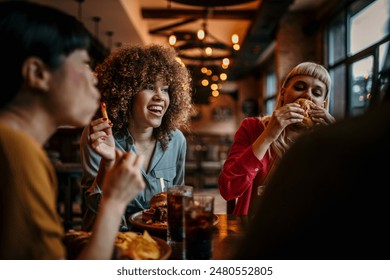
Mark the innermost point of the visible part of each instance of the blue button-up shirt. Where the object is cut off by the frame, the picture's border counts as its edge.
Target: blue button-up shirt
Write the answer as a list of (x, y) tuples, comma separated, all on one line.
[(168, 165)]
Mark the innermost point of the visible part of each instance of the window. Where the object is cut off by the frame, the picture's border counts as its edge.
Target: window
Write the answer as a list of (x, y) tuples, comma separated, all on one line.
[(358, 37), (368, 25), (270, 93)]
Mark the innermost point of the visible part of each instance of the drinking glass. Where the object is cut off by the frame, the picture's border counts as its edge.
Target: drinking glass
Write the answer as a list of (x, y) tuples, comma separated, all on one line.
[(175, 194), (198, 219)]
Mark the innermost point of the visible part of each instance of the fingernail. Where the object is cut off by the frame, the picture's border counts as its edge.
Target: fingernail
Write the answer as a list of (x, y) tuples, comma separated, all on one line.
[(110, 123), (104, 119)]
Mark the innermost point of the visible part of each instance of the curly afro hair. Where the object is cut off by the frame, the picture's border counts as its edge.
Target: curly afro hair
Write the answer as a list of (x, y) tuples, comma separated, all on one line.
[(130, 69)]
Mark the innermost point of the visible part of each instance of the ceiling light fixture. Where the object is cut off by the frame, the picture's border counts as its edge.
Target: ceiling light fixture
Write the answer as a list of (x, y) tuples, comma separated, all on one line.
[(109, 35), (80, 9), (96, 20), (206, 56)]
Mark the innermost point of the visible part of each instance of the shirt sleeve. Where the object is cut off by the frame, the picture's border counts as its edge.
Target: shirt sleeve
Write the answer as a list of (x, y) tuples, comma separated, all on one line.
[(92, 192), (180, 164), (242, 166), (90, 161)]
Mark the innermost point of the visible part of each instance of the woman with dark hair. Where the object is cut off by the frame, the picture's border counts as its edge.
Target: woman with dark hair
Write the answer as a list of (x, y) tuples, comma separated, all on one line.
[(147, 93), (46, 83)]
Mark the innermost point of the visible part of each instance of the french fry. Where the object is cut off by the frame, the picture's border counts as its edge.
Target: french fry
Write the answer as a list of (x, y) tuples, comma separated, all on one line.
[(103, 107), (137, 246)]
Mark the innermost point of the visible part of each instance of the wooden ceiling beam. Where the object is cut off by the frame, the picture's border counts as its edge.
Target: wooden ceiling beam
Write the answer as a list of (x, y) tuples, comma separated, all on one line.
[(170, 26), (189, 13)]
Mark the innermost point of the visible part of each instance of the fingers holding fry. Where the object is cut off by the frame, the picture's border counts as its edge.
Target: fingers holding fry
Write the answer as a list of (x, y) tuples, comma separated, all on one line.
[(103, 108)]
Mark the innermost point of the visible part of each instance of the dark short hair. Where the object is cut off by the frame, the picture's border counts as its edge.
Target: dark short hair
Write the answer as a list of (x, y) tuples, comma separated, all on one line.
[(29, 29)]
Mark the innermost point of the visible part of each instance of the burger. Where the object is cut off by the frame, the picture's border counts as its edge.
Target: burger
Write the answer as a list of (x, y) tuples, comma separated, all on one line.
[(158, 211), (306, 105)]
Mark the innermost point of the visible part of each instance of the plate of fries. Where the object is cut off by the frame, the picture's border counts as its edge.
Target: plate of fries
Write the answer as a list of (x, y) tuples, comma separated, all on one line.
[(135, 246), (128, 245)]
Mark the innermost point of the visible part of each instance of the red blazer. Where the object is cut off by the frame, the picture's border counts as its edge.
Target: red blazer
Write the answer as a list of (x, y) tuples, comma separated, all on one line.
[(242, 170)]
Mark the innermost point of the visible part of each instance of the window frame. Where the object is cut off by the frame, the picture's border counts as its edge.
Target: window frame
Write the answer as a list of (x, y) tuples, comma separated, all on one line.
[(349, 59)]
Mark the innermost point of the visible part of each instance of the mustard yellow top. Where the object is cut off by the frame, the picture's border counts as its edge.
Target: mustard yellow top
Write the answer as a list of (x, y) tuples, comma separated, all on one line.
[(30, 227)]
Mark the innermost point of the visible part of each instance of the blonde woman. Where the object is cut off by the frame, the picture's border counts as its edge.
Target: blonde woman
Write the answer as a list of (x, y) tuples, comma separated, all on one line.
[(260, 142)]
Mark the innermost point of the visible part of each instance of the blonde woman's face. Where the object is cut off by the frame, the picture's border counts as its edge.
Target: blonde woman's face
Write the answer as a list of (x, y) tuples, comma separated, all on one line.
[(302, 86)]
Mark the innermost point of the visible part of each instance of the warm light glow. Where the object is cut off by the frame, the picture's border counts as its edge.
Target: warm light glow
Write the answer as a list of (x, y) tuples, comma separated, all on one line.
[(205, 82), (224, 66), (235, 39), (214, 78), (236, 47), (214, 86), (201, 34), (208, 51), (209, 72), (223, 76), (215, 93), (172, 40), (178, 59), (225, 61), (204, 70)]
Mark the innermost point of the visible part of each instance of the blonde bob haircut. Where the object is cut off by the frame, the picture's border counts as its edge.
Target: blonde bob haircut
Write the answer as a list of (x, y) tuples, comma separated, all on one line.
[(307, 69)]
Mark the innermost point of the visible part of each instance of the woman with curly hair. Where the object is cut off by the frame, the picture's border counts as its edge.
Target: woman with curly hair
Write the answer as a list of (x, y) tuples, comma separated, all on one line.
[(259, 143), (147, 93)]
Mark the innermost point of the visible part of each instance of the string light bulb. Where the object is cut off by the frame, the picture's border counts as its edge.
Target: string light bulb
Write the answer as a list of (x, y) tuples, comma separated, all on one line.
[(201, 34), (172, 40), (226, 61), (208, 51), (235, 39)]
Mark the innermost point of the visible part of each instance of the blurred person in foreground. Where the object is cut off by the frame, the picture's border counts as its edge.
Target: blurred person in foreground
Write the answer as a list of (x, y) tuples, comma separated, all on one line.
[(147, 93), (329, 197), (46, 82), (259, 143)]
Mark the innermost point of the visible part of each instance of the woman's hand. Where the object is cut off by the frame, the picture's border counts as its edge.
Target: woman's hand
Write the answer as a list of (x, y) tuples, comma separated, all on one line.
[(282, 117), (321, 116), (101, 138), (124, 180)]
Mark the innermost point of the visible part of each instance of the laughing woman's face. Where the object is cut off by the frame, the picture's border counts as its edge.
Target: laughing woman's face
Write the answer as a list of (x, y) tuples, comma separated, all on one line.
[(150, 105)]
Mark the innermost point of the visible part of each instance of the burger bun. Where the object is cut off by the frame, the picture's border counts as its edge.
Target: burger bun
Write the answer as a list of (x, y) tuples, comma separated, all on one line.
[(157, 213), (306, 105), (159, 200)]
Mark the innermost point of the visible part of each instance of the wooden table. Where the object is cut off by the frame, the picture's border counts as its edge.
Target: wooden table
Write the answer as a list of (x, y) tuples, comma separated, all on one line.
[(227, 233)]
